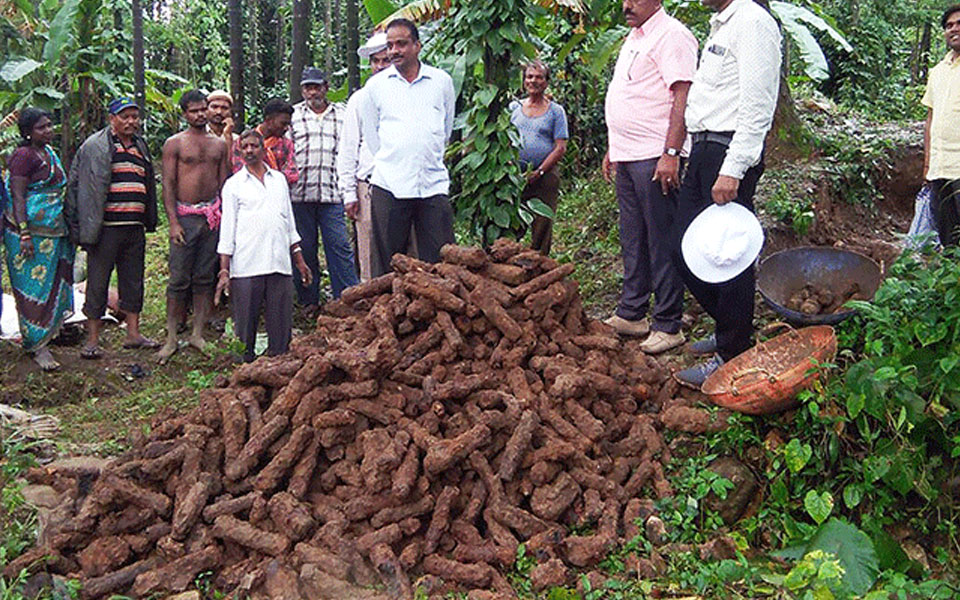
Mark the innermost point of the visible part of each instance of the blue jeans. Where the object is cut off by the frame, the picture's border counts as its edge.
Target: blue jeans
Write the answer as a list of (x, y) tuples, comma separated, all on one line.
[(329, 218)]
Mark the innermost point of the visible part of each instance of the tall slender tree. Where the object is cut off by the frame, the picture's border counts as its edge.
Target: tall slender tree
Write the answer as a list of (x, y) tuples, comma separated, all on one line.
[(235, 17), (139, 83), (255, 73), (300, 34), (353, 42)]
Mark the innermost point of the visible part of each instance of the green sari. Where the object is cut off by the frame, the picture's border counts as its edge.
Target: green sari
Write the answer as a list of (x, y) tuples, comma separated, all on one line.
[(42, 285)]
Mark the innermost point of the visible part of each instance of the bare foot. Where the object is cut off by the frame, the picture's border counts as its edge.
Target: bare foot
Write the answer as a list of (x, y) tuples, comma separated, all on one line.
[(46, 361), (197, 342), (168, 350)]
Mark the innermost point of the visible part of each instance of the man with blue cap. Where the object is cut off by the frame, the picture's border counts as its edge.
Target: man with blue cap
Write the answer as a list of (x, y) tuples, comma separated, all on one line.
[(111, 204)]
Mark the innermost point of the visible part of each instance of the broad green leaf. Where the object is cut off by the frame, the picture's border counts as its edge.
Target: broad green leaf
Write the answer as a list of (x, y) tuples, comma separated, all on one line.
[(49, 92), (855, 404), (16, 69), (799, 13), (539, 207), (853, 549), (852, 494), (797, 455), (875, 467), (167, 75), (608, 43), (379, 9), (818, 506), (61, 31), (947, 363)]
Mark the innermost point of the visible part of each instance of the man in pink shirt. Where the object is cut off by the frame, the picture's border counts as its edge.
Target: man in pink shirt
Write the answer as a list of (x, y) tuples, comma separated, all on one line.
[(647, 137)]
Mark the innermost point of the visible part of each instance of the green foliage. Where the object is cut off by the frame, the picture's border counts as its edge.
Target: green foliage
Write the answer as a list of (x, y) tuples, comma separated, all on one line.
[(797, 22), (797, 212)]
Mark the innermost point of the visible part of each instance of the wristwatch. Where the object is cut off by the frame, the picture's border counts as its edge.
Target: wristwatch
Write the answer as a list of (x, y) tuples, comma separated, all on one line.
[(671, 151)]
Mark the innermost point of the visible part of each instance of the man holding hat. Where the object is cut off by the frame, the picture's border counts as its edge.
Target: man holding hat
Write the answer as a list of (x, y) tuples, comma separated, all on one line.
[(729, 112), (315, 130), (220, 115), (355, 163), (111, 203)]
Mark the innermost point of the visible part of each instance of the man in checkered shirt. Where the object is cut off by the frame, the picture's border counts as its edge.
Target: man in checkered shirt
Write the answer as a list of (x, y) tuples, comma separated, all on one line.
[(315, 130)]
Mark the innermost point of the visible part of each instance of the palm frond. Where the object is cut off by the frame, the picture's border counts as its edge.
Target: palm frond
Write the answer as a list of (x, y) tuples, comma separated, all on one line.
[(419, 11)]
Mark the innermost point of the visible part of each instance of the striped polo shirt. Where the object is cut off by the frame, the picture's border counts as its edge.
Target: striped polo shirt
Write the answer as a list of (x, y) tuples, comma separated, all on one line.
[(127, 199)]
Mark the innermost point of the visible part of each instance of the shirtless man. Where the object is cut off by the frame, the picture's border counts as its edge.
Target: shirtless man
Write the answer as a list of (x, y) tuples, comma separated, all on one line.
[(195, 165), (220, 115)]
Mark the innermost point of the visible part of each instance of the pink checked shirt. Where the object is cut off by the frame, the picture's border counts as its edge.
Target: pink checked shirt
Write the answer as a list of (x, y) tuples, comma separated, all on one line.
[(653, 57)]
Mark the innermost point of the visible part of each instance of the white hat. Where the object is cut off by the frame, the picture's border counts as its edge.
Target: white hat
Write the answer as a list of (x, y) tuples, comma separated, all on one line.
[(721, 242), (377, 43)]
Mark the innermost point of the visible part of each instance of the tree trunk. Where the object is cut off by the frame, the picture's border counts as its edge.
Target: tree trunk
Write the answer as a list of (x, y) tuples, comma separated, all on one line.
[(235, 16), (924, 58), (328, 32), (300, 33), (139, 84), (255, 77), (353, 42)]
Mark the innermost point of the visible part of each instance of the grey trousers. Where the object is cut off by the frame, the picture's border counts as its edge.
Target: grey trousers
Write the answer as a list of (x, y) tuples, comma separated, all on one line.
[(647, 242), (273, 292)]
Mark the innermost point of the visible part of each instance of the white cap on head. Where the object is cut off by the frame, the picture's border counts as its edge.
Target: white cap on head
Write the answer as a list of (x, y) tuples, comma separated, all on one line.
[(377, 43)]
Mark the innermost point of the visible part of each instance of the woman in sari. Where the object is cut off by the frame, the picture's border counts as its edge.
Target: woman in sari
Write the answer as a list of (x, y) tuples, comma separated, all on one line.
[(39, 252)]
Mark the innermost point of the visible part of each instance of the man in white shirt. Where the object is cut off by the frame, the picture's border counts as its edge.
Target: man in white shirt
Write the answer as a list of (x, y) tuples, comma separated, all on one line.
[(315, 130), (258, 244), (729, 112), (407, 117), (355, 163)]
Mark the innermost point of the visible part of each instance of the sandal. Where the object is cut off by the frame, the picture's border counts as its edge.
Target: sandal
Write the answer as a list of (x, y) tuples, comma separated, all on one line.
[(91, 352), (142, 343)]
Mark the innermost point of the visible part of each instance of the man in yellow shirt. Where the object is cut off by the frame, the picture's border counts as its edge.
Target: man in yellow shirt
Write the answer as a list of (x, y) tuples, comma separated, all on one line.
[(941, 136)]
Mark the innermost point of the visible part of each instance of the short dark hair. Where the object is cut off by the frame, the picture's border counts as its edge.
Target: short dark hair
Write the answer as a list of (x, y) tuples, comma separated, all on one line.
[(250, 133), (27, 119), (410, 25), (191, 97), (947, 13), (276, 105)]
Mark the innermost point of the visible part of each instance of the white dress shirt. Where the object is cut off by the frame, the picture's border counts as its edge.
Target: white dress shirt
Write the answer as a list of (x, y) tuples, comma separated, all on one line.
[(257, 227), (737, 82), (406, 125), (354, 160)]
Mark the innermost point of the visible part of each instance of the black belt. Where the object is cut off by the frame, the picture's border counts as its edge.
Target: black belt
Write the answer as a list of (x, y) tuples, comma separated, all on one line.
[(720, 137)]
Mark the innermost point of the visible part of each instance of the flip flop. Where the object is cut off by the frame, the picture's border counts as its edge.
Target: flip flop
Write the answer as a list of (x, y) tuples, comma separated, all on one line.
[(91, 352), (146, 343)]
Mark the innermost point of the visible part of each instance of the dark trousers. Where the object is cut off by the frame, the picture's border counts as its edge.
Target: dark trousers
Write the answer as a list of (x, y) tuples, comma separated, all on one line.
[(646, 243), (730, 303), (946, 210), (273, 292), (547, 189), (391, 218), (122, 246), (328, 218)]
